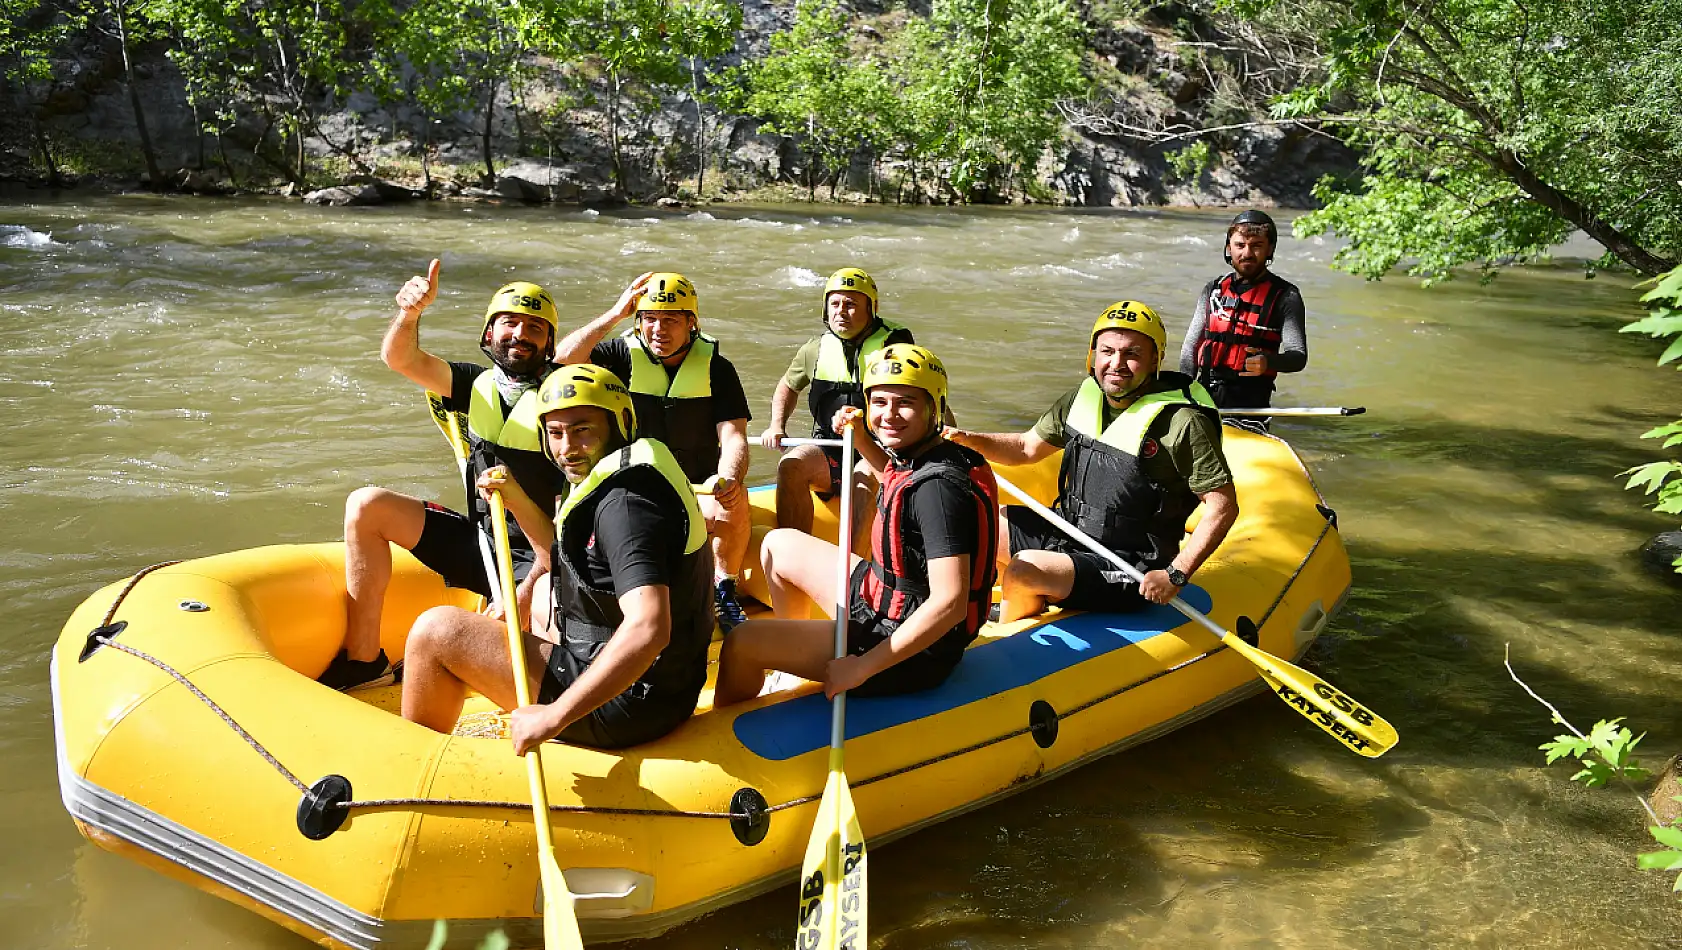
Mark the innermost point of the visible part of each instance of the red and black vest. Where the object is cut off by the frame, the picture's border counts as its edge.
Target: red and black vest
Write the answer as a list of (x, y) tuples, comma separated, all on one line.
[(897, 581), (1239, 319)]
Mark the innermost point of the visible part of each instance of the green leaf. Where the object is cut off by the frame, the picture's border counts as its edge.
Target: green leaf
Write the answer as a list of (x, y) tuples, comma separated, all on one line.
[(1660, 861), (1668, 835), (1668, 287), (1651, 477)]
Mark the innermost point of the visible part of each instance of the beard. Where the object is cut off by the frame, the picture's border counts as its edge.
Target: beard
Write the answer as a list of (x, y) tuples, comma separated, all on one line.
[(527, 365)]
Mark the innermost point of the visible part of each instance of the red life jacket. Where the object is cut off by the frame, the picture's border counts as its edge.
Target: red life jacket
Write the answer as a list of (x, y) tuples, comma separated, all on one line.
[(888, 586), (1237, 321)]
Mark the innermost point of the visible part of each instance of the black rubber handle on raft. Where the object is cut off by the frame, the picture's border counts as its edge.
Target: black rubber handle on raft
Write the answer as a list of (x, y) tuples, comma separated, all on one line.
[(1042, 723), (1354, 410), (754, 816), (97, 637), (321, 811), (1246, 630)]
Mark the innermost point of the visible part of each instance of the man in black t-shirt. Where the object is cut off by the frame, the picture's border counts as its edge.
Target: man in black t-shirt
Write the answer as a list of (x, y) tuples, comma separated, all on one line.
[(620, 651), (923, 595), (500, 401), (689, 397)]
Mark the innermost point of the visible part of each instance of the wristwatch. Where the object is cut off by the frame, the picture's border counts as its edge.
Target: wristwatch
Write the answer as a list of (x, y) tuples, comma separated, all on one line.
[(1176, 576)]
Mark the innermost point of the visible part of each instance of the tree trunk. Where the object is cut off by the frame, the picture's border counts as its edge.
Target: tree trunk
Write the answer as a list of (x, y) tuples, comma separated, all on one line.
[(700, 127), (156, 177), (613, 131), (1568, 208), (53, 180), (485, 137)]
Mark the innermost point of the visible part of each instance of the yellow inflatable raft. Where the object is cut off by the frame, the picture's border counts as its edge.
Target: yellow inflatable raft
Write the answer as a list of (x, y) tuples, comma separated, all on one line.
[(231, 768)]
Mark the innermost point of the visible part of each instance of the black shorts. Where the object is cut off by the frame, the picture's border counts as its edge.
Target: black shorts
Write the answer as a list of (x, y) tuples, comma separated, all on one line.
[(1099, 584), (639, 714), (449, 545), (833, 457), (865, 629)]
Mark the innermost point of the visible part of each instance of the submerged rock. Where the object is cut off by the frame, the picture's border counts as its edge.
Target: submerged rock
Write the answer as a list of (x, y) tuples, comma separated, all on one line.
[(1659, 555)]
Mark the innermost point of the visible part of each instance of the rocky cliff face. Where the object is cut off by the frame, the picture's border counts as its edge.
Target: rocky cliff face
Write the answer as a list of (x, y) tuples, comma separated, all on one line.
[(1153, 80)]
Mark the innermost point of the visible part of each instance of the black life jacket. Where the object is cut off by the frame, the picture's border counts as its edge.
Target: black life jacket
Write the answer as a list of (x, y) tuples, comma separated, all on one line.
[(512, 439), (1239, 319), (837, 378), (897, 583), (587, 617), (1102, 487), (677, 408)]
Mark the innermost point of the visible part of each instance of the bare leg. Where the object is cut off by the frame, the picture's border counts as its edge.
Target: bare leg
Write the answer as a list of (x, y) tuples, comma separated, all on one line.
[(374, 519), (801, 647), (801, 471), (1031, 579), (450, 650), (732, 531), (800, 570)]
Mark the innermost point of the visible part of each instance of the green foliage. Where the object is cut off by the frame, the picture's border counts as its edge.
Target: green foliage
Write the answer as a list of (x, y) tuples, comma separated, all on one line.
[(1492, 128), (1670, 859), (1188, 163), (1607, 752), (29, 32), (1662, 480)]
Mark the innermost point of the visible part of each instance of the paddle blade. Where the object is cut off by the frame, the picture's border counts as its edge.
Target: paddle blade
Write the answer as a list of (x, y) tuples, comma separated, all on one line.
[(560, 917), (832, 879), (1354, 725)]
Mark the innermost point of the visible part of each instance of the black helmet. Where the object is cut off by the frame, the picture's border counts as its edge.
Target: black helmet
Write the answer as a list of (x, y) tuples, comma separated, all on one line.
[(1252, 217)]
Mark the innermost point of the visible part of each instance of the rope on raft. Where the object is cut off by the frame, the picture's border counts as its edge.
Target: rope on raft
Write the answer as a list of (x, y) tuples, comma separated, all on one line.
[(379, 803)]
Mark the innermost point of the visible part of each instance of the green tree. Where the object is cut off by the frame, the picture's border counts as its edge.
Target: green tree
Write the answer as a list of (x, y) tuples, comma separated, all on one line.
[(30, 31), (702, 29), (628, 39), (1492, 128), (818, 86), (979, 81)]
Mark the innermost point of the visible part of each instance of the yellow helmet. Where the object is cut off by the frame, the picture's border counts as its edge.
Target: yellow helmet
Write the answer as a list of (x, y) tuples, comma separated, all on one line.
[(1129, 315), (851, 278), (907, 364), (670, 292), (523, 296), (584, 384)]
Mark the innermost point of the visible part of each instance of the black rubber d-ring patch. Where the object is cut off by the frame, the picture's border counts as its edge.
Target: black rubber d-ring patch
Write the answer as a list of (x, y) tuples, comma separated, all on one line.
[(320, 812), (753, 816), (1248, 633), (1042, 723), (98, 634)]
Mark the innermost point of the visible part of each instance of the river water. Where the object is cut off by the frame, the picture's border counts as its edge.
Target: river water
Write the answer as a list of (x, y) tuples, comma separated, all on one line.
[(186, 377)]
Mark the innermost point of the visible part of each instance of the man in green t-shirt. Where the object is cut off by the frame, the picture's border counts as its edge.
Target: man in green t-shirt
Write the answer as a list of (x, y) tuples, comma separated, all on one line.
[(831, 366), (1141, 449)]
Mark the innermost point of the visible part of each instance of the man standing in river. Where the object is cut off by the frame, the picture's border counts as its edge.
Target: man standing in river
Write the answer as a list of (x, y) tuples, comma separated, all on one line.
[(1141, 449), (689, 397), (1248, 326)]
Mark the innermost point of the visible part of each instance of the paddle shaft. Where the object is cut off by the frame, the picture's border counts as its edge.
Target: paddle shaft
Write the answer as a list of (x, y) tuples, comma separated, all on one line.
[(1299, 411), (843, 572), (560, 920)]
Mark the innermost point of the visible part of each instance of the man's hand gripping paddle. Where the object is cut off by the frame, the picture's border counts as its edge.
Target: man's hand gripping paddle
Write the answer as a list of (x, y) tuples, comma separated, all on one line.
[(832, 878), (1317, 700)]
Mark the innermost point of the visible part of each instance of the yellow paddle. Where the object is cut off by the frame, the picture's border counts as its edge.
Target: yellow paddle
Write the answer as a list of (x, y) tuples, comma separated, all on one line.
[(560, 919), (832, 878), (1317, 700)]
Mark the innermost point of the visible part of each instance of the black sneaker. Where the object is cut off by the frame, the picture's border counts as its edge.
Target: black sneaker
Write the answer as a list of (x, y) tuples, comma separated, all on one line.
[(726, 609), (345, 673)]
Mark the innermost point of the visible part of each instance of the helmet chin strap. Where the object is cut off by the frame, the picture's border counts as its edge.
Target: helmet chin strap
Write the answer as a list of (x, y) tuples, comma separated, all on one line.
[(682, 351)]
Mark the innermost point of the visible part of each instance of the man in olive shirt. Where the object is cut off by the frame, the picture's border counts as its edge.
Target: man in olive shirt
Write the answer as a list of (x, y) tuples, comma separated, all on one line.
[(1141, 449)]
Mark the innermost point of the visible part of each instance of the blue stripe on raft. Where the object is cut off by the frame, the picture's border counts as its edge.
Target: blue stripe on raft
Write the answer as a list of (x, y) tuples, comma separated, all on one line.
[(799, 726)]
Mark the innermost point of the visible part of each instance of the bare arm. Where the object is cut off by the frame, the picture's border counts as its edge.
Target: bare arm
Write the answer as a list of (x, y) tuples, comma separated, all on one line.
[(948, 583), (782, 407), (1004, 448), (575, 347), (626, 656), (1194, 334), (1220, 511), (733, 449), (401, 349)]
